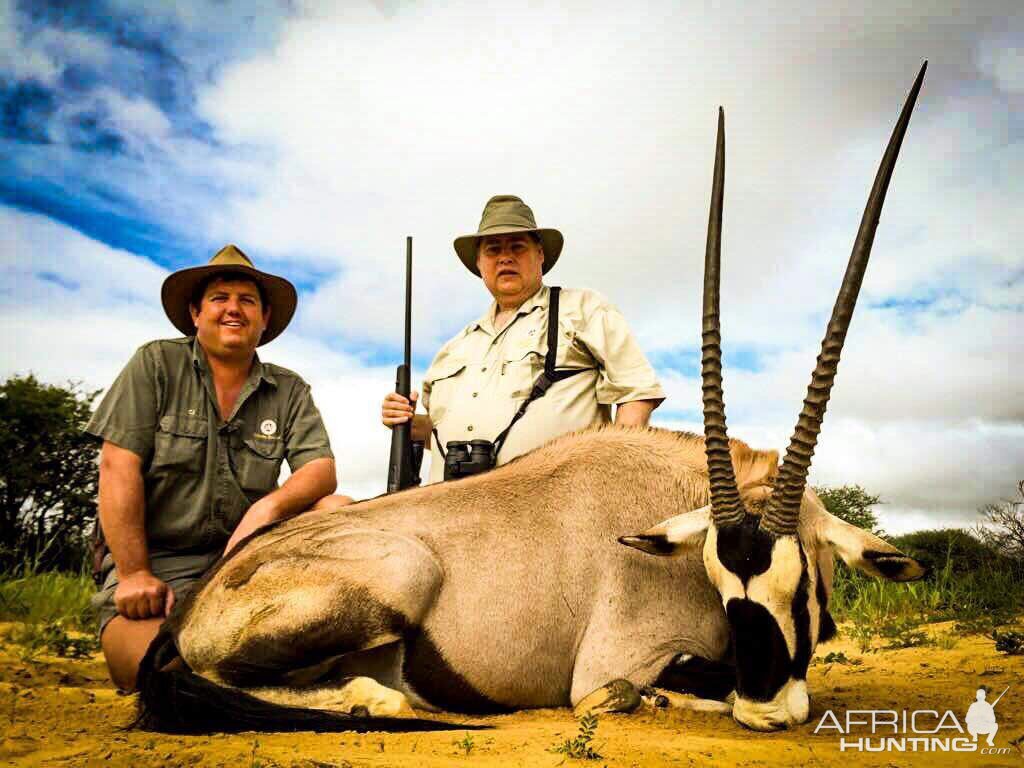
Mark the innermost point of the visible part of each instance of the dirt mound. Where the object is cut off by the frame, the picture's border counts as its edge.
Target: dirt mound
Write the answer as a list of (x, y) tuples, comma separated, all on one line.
[(56, 712)]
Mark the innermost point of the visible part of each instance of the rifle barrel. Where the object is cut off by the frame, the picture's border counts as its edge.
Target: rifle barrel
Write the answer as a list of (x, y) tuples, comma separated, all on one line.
[(408, 304)]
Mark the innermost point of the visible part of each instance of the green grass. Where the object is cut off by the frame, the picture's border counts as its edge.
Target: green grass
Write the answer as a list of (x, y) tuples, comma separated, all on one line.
[(466, 745), (31, 640), (47, 598), (580, 747), (979, 601)]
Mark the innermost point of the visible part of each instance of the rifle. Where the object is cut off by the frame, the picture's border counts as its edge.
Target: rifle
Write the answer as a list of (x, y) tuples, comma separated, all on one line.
[(406, 456)]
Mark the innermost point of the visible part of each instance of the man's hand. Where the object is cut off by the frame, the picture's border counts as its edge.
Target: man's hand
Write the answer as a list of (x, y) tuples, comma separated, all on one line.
[(259, 514), (397, 409), (308, 484), (635, 413), (141, 595)]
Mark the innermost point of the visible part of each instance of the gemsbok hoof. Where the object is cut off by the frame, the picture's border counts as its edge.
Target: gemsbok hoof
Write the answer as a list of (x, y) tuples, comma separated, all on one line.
[(618, 696)]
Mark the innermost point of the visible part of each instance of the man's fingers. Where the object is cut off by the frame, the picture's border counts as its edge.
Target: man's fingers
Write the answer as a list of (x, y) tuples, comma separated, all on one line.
[(154, 603), (130, 610), (169, 602), (397, 409)]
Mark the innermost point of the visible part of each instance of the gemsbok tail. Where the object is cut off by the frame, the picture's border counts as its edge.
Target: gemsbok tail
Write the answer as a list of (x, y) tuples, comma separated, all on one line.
[(174, 699)]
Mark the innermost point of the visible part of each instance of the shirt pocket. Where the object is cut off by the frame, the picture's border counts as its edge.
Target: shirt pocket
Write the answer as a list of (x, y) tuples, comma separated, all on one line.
[(522, 363), (259, 465), (444, 380), (180, 445)]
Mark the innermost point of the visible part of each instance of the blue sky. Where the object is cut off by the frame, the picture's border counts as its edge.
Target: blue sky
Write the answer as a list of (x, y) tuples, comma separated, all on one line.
[(138, 138)]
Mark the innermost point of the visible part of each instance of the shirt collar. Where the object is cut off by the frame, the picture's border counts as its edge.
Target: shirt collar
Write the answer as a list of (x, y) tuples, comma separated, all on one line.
[(259, 370), (486, 321)]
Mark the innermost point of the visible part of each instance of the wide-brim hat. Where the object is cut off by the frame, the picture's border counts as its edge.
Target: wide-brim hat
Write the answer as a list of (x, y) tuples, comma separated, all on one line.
[(503, 215), (179, 286)]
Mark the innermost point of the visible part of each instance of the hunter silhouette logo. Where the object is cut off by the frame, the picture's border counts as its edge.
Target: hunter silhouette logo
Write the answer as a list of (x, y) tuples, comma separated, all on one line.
[(981, 716), (919, 730)]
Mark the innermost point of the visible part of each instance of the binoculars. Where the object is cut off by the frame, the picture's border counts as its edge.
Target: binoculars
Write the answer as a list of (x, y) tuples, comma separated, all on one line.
[(463, 458)]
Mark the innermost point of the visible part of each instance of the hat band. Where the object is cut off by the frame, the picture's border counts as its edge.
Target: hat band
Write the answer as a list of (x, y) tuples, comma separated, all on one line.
[(505, 225)]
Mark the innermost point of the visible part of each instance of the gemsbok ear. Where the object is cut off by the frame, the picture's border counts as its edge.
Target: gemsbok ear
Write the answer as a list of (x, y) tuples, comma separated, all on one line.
[(868, 553), (674, 536)]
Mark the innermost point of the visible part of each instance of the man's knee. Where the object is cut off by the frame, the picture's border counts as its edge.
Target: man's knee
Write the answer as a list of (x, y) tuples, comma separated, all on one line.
[(124, 642)]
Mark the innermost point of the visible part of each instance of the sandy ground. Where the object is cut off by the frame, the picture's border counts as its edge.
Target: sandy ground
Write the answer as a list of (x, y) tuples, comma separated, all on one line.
[(56, 712)]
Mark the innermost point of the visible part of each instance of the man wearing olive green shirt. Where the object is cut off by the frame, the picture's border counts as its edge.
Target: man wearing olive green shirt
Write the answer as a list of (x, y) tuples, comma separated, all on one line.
[(479, 379), (194, 431)]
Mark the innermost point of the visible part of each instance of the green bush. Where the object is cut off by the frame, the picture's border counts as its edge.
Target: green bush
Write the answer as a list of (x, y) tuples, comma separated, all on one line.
[(852, 504), (963, 551), (48, 474)]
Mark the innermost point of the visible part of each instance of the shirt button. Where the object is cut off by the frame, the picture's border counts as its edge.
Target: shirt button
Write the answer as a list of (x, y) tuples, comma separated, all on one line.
[(483, 369), (470, 428), (474, 394)]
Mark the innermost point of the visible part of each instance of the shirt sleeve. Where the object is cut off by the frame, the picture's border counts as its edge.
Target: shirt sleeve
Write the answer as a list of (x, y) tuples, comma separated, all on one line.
[(625, 375), (127, 415), (306, 437)]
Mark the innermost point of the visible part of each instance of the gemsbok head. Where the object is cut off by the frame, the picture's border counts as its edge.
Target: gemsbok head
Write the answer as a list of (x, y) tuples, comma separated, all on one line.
[(771, 559)]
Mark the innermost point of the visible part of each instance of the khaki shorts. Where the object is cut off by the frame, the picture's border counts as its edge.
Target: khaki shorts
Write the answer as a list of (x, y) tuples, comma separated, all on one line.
[(179, 571)]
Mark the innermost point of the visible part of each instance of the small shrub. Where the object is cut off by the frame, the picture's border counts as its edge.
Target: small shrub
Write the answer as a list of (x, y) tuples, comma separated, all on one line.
[(1011, 643), (983, 623), (862, 633), (838, 657), (466, 744), (579, 748), (904, 633), (33, 639)]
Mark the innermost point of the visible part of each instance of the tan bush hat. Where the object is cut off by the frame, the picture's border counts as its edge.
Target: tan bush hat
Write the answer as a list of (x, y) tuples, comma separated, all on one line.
[(503, 215), (179, 286)]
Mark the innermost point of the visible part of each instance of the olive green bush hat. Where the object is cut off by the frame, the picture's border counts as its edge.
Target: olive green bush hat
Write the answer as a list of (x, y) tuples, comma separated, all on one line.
[(503, 215), (179, 286)]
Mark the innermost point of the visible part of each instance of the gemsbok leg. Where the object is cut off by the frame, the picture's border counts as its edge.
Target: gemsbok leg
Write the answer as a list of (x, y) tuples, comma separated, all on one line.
[(279, 622)]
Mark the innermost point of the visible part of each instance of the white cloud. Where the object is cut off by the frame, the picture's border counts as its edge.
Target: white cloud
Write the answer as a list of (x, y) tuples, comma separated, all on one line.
[(15, 56), (1001, 55), (34, 245), (385, 124), (365, 123)]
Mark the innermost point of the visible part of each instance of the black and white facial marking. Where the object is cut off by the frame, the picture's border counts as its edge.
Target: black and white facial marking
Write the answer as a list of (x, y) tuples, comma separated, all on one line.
[(770, 598)]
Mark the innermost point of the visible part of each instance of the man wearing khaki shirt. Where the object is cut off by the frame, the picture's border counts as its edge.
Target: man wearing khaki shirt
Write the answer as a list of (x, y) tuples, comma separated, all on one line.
[(194, 431), (481, 377)]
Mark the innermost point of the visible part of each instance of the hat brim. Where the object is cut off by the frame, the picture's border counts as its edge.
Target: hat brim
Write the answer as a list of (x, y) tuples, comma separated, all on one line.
[(550, 239), (179, 286)]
